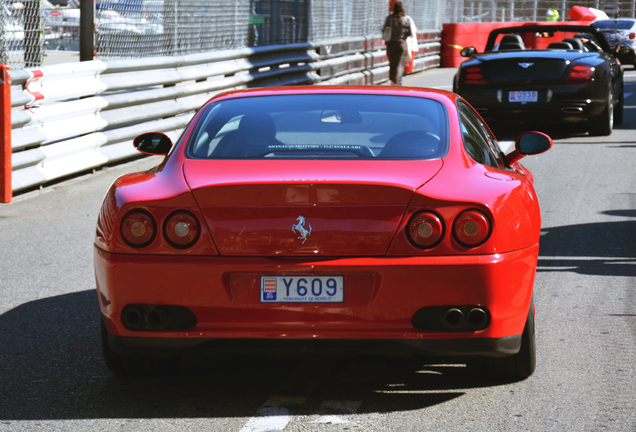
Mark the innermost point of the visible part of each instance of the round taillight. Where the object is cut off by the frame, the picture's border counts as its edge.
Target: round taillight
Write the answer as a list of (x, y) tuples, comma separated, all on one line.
[(632, 35), (138, 228), (182, 229), (425, 230), (471, 228)]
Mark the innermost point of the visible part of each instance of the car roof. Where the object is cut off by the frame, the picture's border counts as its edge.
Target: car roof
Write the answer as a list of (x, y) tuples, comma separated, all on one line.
[(436, 94)]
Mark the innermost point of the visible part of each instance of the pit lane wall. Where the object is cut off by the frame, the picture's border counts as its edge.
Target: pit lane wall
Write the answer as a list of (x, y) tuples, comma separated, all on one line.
[(76, 117)]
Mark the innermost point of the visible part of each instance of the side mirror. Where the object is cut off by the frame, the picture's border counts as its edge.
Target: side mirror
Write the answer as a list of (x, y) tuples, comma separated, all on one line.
[(529, 143), (468, 51), (153, 143)]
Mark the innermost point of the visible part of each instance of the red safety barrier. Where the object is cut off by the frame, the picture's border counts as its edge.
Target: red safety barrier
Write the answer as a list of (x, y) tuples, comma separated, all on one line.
[(6, 192), (458, 36), (580, 13)]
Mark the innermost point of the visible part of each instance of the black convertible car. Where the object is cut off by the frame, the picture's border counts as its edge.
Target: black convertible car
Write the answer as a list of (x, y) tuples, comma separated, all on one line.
[(575, 79)]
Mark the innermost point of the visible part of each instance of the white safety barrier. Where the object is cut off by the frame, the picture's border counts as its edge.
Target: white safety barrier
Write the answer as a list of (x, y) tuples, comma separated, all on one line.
[(74, 117)]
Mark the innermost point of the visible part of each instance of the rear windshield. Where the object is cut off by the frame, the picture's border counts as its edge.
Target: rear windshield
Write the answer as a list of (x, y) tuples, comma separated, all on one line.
[(613, 25), (321, 126)]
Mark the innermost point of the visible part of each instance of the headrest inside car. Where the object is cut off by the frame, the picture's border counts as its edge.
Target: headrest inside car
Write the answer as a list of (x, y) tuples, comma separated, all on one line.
[(510, 46), (560, 45), (576, 43), (513, 38)]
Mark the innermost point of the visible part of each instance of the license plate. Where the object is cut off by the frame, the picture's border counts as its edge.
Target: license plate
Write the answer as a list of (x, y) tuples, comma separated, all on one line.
[(302, 289), (523, 96)]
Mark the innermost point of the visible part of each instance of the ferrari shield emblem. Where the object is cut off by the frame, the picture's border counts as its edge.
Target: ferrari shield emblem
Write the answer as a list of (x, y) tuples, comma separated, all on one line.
[(300, 229)]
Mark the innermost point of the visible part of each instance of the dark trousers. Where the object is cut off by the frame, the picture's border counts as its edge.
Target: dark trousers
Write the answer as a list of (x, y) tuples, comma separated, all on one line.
[(396, 51)]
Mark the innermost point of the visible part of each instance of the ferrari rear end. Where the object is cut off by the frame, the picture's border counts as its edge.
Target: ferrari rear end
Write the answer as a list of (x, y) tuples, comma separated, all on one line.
[(341, 215)]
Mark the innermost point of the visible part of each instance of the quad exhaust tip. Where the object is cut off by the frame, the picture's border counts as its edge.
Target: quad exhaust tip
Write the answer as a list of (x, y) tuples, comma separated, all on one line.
[(452, 318), (157, 317), (475, 319)]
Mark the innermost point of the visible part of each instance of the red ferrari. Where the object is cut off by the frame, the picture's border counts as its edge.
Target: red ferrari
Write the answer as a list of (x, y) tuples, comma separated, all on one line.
[(339, 214)]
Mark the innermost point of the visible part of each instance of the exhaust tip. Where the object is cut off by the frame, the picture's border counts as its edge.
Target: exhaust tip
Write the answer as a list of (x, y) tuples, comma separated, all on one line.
[(477, 318), (132, 317), (156, 317), (453, 318), (572, 110)]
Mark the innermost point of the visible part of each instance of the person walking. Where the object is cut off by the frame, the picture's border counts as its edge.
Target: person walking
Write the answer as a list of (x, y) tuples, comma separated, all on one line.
[(397, 27)]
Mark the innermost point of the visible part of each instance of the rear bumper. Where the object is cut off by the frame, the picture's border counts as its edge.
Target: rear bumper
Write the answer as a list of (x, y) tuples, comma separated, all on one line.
[(566, 104), (491, 347), (381, 297)]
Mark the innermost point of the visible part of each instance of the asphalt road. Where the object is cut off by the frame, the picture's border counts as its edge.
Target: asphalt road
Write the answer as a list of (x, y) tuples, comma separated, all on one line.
[(52, 376)]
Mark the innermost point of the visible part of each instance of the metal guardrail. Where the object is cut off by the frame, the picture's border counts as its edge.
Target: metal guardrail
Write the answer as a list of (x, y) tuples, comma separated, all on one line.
[(75, 117)]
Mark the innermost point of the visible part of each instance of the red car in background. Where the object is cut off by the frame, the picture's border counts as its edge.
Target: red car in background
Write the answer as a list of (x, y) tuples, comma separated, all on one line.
[(333, 214)]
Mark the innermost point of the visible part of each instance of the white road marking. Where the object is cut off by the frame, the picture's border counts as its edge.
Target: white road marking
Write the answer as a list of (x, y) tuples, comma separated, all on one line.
[(274, 420), (274, 414)]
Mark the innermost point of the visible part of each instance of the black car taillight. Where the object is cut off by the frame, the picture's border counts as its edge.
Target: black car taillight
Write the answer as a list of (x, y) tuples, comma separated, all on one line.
[(474, 75), (182, 229), (425, 230), (471, 228), (580, 74), (138, 228)]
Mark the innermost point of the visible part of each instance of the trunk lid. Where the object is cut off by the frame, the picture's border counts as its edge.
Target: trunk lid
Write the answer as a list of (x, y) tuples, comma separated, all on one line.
[(537, 67), (305, 207)]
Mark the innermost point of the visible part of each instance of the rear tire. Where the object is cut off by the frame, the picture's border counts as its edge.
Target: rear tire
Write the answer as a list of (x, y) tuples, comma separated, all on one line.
[(514, 368), (603, 124), (619, 108), (137, 364)]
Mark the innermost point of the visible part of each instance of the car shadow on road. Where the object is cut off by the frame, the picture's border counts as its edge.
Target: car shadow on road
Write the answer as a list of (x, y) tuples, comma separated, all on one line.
[(52, 368), (603, 248)]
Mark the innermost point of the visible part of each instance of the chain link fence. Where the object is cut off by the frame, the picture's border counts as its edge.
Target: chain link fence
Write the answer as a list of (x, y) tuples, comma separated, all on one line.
[(461, 11), (148, 28), (21, 33), (143, 28)]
